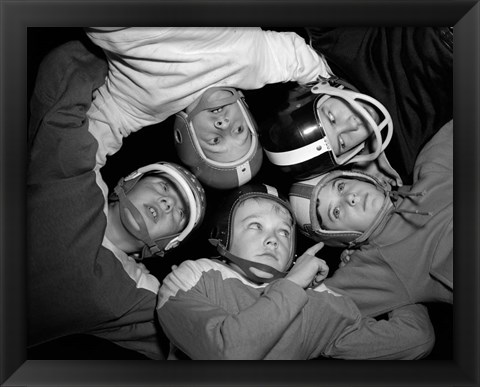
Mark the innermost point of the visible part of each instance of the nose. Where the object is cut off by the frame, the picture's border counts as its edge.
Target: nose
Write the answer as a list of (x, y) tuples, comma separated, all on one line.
[(222, 122), (350, 124), (272, 241), (167, 203), (352, 199)]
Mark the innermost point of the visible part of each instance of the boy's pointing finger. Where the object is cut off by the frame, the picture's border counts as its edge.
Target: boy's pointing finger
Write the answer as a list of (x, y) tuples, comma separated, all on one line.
[(315, 248)]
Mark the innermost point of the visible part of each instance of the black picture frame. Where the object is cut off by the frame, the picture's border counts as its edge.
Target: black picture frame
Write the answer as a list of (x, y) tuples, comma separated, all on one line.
[(17, 16)]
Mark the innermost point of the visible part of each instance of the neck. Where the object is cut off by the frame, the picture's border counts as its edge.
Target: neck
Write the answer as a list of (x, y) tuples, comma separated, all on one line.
[(117, 234)]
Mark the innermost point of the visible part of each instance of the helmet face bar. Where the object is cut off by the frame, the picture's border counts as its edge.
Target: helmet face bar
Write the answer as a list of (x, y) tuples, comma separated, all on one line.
[(352, 98), (298, 142), (216, 174)]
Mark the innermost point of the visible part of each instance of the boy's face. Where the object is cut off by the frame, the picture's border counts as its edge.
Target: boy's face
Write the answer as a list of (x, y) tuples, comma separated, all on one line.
[(348, 205), (344, 128), (160, 204), (223, 132), (263, 232)]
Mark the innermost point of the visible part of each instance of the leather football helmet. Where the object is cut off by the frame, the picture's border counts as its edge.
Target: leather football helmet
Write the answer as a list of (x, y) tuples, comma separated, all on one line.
[(215, 174), (222, 232)]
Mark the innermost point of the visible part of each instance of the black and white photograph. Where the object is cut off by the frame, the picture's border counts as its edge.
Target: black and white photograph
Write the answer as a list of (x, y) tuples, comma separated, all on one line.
[(243, 193)]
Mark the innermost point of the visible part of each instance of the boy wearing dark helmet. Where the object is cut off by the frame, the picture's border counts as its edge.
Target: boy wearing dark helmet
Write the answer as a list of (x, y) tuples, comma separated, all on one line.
[(399, 242), (83, 276), (408, 69), (402, 76), (329, 126), (247, 304)]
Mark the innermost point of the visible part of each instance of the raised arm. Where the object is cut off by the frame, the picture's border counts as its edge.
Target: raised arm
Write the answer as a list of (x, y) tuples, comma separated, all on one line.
[(76, 282), (155, 72), (58, 125)]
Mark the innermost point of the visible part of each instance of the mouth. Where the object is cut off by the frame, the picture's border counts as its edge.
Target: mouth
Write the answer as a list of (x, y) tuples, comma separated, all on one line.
[(152, 212), (269, 254)]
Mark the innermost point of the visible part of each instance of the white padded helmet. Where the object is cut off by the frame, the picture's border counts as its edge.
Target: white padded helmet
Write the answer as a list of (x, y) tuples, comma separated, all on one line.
[(191, 189)]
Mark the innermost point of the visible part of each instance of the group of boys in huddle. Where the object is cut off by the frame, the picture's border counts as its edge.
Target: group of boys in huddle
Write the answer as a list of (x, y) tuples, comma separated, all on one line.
[(364, 178)]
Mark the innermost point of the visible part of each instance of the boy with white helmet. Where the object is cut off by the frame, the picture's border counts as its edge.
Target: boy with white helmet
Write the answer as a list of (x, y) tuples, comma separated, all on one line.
[(83, 276), (399, 241), (247, 304), (156, 72)]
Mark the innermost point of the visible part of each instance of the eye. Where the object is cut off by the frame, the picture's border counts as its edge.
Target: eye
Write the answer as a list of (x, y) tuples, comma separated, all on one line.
[(182, 213), (285, 233), (342, 143), (239, 130), (255, 226), (163, 186), (331, 118), (341, 186), (214, 141), (336, 212)]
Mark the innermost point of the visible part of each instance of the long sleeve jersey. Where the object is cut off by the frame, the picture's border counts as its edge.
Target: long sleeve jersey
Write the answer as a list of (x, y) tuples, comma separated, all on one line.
[(209, 311), (78, 281), (155, 72), (410, 259), (408, 69)]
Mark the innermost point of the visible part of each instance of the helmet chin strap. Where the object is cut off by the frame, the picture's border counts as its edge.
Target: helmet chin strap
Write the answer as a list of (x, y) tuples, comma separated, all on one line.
[(246, 265), (151, 247)]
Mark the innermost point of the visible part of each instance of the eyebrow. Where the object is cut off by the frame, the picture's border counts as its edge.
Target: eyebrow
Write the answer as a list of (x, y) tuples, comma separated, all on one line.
[(255, 216)]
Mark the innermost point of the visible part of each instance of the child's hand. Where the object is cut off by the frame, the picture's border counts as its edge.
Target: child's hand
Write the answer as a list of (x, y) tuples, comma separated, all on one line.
[(345, 257), (308, 269)]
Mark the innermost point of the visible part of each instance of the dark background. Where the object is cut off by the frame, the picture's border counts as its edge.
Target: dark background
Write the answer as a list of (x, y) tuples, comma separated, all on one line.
[(155, 143)]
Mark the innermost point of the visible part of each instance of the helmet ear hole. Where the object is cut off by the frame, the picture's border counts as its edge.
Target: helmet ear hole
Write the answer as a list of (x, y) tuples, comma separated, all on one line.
[(178, 136)]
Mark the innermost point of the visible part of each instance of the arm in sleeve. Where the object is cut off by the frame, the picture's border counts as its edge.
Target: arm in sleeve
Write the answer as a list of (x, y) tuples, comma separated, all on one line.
[(271, 56), (370, 282), (205, 327), (407, 335), (144, 337), (437, 155), (156, 72), (287, 57), (58, 124)]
